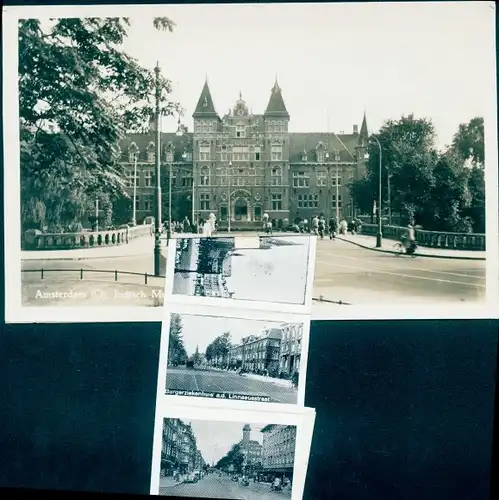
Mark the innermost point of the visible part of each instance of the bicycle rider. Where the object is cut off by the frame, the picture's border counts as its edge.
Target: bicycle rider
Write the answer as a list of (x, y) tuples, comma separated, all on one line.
[(410, 240)]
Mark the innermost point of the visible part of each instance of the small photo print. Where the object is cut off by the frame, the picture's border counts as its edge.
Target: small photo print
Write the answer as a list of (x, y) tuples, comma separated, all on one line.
[(232, 460), (274, 270), (234, 359)]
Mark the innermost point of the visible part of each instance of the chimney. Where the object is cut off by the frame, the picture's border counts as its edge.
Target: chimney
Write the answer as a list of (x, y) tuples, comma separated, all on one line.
[(355, 130)]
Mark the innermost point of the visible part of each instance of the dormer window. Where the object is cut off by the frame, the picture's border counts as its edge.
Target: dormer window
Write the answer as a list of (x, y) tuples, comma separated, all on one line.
[(336, 155), (151, 154), (133, 152), (169, 156), (320, 156), (304, 156)]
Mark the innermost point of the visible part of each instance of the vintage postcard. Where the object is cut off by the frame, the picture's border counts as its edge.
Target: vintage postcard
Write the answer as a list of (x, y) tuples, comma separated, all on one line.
[(232, 357), (230, 453), (270, 272), (104, 177)]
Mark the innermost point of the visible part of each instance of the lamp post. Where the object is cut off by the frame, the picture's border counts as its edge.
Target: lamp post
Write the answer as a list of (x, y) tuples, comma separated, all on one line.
[(97, 214), (379, 234), (337, 158), (328, 197), (134, 217), (157, 219), (228, 195)]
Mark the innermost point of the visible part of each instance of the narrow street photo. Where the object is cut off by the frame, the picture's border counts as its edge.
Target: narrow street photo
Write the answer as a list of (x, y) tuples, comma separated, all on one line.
[(234, 359), (227, 460), (276, 271)]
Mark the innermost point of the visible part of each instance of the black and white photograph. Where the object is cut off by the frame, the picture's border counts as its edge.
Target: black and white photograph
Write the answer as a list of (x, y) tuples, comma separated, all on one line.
[(370, 135), (236, 359), (274, 269), (233, 460)]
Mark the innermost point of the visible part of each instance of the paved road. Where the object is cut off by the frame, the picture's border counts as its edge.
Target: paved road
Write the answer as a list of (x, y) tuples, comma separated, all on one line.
[(217, 381), (213, 486), (360, 276), (343, 272)]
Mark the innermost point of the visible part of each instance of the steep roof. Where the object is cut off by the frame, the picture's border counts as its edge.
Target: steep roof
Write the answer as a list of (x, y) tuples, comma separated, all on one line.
[(181, 143), (276, 106), (205, 107), (308, 141), (364, 134)]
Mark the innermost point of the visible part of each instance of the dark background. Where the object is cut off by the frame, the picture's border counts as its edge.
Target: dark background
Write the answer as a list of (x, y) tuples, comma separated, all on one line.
[(404, 408)]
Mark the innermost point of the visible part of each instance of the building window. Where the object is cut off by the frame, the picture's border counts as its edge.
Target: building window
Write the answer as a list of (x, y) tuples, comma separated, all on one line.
[(187, 179), (150, 156), (137, 203), (147, 179), (276, 178), (333, 180), (308, 201), (133, 156), (204, 153), (204, 176), (304, 156), (148, 203), (321, 178), (188, 156), (276, 153), (169, 156), (252, 172), (239, 181), (320, 156), (276, 201), (300, 180), (257, 154), (333, 201), (240, 130)]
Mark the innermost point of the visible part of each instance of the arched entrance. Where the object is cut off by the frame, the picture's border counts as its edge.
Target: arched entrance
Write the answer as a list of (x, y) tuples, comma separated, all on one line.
[(241, 209)]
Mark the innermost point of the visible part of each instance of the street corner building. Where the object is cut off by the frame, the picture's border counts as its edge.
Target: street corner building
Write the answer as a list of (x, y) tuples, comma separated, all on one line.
[(278, 451), (179, 451), (243, 165)]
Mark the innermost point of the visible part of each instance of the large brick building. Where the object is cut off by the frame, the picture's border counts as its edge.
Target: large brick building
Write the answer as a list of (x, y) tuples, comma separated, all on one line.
[(243, 165)]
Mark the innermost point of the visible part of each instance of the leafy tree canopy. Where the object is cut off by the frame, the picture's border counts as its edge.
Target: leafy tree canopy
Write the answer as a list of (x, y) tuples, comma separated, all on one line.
[(80, 93)]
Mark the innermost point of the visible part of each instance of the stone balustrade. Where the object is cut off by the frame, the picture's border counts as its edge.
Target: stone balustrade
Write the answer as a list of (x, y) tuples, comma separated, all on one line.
[(85, 239), (431, 239)]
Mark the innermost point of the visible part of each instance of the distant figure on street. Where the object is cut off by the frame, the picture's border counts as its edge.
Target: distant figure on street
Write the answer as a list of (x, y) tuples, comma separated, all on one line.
[(332, 228), (321, 227), (267, 224), (343, 227), (187, 224), (315, 225)]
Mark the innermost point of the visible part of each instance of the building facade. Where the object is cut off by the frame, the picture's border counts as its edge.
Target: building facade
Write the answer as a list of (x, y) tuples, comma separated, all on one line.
[(242, 165), (258, 353), (278, 449), (179, 448), (291, 343), (252, 450)]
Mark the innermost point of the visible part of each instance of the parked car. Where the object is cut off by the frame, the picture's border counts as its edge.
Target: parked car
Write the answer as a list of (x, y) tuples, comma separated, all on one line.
[(191, 478)]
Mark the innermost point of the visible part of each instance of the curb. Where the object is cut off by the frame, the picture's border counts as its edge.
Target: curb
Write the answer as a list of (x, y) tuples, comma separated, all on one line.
[(416, 255)]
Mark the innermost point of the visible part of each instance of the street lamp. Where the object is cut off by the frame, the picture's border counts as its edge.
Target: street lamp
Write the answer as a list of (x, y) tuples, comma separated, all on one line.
[(134, 217), (229, 194), (157, 219), (337, 158), (379, 234), (328, 194)]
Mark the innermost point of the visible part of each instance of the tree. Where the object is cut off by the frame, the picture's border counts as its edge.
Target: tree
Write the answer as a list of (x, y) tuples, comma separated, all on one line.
[(196, 357), (234, 458), (469, 143), (79, 94), (176, 350)]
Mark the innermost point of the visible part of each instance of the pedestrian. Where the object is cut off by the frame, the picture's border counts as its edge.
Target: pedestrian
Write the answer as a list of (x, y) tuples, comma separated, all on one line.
[(332, 228), (315, 224), (321, 226)]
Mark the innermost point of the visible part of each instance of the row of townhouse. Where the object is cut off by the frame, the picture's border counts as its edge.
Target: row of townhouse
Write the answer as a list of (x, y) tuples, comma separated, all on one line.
[(278, 450), (179, 451), (274, 351)]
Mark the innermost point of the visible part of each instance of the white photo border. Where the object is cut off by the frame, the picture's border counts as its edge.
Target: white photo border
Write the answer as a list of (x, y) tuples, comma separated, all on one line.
[(15, 312), (304, 420), (165, 400), (255, 305)]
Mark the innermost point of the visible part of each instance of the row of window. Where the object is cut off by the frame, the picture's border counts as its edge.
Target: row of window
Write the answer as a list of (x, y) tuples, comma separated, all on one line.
[(312, 201), (205, 201), (240, 153), (209, 127), (302, 179), (151, 157)]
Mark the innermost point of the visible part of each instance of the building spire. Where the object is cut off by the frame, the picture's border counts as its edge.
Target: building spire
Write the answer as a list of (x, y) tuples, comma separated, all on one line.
[(205, 107), (276, 106)]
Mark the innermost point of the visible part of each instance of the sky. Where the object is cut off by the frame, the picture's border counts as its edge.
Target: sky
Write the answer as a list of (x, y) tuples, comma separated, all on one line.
[(332, 61), (227, 434), (202, 330)]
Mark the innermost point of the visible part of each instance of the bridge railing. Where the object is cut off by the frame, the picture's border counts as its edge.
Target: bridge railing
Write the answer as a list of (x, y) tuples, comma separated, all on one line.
[(35, 240), (431, 239)]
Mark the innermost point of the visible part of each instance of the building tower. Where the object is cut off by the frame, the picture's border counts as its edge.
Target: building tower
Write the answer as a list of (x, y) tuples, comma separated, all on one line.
[(246, 433), (206, 124), (276, 121)]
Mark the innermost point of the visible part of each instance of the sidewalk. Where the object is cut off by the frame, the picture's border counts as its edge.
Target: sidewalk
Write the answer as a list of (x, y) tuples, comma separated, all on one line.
[(168, 482), (138, 246), (276, 381), (369, 242)]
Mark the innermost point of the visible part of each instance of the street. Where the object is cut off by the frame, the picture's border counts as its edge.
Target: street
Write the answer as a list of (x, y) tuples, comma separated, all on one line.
[(214, 486), (343, 272), (218, 381), (357, 275)]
